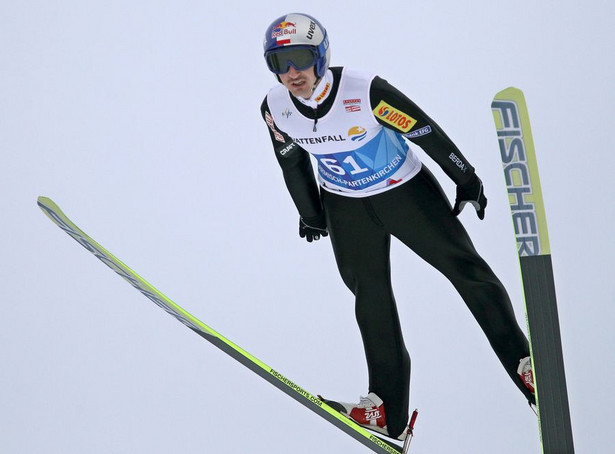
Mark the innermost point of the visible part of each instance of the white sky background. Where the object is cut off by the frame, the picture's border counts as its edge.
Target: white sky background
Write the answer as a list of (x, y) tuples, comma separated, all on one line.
[(141, 120)]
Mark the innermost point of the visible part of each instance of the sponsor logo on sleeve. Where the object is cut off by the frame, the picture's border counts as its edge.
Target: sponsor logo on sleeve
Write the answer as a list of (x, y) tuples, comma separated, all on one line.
[(276, 133), (395, 117), (287, 148), (458, 162), (419, 132)]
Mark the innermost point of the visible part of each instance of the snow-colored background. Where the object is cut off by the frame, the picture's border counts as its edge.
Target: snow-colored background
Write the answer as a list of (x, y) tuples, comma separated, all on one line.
[(141, 120)]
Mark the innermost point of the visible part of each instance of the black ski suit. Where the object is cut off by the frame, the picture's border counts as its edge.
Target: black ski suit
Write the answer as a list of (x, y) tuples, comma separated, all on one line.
[(416, 212)]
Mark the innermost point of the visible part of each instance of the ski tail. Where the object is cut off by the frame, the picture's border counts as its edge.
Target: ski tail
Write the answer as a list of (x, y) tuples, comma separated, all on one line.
[(530, 225), (312, 402)]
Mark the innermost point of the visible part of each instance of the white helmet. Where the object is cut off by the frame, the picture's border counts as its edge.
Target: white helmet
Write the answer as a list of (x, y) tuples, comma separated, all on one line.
[(297, 40)]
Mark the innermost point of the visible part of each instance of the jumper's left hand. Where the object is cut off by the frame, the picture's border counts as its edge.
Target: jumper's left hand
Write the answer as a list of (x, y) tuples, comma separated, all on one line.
[(472, 193)]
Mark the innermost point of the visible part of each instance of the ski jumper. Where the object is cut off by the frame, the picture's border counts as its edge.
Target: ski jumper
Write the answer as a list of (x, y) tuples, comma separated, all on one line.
[(372, 187)]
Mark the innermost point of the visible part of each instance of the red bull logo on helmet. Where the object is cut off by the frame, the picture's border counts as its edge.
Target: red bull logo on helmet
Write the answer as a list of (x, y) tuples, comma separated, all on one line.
[(283, 32), (394, 117)]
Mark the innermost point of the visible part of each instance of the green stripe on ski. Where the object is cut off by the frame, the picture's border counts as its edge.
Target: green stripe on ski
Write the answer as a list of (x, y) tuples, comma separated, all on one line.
[(521, 171), (373, 442)]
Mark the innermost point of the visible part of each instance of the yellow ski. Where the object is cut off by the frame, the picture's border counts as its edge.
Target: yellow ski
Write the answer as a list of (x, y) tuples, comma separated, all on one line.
[(373, 442)]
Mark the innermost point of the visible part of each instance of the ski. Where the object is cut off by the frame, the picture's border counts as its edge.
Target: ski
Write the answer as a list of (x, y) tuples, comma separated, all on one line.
[(528, 215), (374, 443)]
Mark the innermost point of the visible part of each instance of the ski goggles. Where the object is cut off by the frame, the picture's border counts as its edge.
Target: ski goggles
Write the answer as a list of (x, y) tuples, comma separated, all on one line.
[(279, 61)]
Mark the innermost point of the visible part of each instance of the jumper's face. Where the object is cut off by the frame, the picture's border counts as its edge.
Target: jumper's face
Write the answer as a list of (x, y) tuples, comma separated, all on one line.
[(299, 83)]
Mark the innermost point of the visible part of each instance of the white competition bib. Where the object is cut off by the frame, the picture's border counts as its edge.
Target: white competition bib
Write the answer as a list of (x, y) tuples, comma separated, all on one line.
[(355, 154)]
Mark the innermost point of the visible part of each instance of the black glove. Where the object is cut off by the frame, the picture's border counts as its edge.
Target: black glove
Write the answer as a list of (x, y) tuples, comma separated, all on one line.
[(471, 192), (313, 228)]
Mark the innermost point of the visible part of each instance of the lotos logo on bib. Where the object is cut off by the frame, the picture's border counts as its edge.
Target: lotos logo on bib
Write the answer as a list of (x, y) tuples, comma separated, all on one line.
[(357, 133), (394, 117)]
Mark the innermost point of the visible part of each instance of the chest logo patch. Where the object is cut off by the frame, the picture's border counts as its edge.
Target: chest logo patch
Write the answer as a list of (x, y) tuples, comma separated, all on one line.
[(357, 133)]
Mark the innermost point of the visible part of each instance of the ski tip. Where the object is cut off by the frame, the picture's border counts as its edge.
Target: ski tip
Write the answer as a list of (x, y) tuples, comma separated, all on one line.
[(509, 92), (48, 207), (43, 201)]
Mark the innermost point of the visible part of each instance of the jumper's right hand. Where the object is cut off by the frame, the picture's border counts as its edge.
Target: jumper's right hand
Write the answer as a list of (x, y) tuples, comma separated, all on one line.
[(313, 228)]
